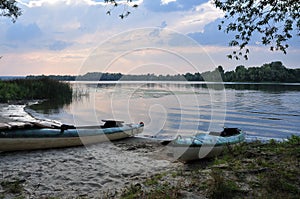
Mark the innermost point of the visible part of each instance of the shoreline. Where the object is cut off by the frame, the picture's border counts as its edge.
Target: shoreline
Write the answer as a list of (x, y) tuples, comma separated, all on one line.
[(20, 112), (4, 119), (15, 112), (137, 168), (140, 168), (251, 170), (86, 171)]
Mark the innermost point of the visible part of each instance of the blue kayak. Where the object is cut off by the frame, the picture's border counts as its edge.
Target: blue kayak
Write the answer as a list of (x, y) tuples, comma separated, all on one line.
[(35, 136), (204, 145)]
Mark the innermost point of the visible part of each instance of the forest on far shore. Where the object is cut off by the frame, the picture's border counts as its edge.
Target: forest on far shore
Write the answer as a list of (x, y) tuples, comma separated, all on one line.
[(270, 72)]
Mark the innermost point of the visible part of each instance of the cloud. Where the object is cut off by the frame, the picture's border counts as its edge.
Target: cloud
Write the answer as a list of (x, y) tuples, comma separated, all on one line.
[(196, 19), (40, 3), (23, 33), (42, 62), (164, 2), (45, 27), (171, 6), (156, 32), (59, 45), (211, 35), (163, 24), (71, 20), (52, 36)]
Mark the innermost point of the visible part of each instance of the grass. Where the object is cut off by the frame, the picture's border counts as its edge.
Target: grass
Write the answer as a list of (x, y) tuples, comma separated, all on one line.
[(250, 170), (154, 187), (272, 169), (219, 187), (13, 188), (159, 191)]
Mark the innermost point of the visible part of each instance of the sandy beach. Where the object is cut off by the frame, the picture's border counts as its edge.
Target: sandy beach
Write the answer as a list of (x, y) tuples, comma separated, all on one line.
[(140, 168), (89, 171)]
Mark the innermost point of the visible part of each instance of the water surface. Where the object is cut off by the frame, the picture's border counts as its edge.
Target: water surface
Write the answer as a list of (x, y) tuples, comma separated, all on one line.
[(173, 108)]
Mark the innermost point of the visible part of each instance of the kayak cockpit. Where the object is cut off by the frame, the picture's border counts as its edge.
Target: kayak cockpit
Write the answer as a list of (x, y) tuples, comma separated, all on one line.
[(227, 132), (112, 123)]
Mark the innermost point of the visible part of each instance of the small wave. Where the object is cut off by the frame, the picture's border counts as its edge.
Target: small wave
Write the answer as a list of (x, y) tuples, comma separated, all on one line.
[(270, 118), (272, 113)]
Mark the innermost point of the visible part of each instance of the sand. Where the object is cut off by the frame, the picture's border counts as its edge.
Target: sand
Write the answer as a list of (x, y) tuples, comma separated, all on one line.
[(88, 171)]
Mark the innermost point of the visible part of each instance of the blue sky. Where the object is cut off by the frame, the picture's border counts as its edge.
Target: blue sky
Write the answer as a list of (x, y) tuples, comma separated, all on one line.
[(160, 36)]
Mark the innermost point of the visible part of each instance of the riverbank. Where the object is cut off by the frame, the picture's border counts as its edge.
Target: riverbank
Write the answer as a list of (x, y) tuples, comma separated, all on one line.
[(86, 172), (4, 118), (252, 170), (140, 168)]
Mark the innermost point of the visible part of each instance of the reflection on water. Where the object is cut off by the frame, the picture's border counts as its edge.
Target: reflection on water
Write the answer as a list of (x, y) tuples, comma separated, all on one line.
[(169, 109), (49, 107), (263, 87)]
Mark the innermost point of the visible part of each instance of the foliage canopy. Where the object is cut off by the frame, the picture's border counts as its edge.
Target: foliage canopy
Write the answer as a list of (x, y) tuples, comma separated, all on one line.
[(274, 20), (9, 8), (126, 5)]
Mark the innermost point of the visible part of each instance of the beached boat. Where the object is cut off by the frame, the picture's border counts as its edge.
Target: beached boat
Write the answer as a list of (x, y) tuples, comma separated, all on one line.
[(204, 145), (29, 136)]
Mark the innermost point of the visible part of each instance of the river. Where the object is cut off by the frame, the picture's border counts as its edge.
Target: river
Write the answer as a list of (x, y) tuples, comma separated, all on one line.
[(169, 109)]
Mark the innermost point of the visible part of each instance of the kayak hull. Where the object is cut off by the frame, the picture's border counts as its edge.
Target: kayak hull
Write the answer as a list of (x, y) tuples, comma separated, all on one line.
[(188, 153), (204, 145), (33, 139)]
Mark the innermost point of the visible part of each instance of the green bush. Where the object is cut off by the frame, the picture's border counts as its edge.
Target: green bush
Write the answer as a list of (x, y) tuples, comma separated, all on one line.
[(35, 89)]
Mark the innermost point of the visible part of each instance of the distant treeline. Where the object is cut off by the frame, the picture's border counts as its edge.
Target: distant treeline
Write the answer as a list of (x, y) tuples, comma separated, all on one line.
[(272, 72), (54, 77), (35, 89)]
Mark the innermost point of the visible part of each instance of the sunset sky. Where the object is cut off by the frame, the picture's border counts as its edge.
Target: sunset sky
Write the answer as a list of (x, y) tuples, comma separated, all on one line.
[(160, 36)]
